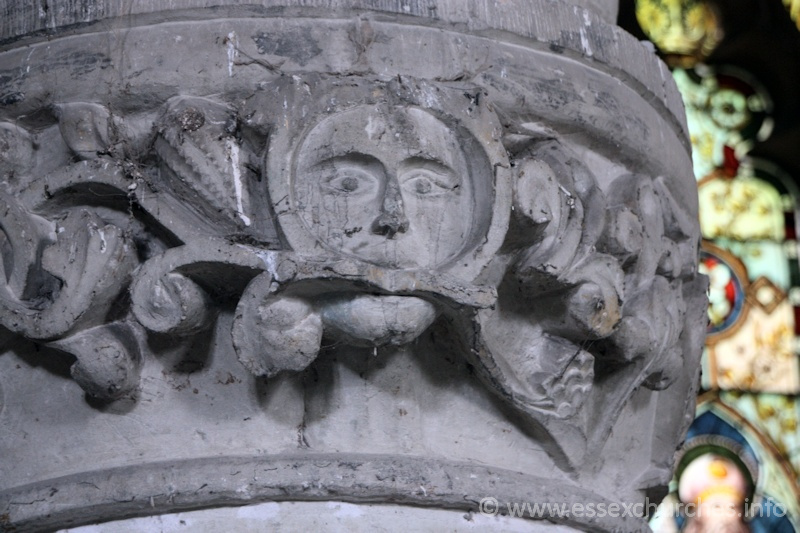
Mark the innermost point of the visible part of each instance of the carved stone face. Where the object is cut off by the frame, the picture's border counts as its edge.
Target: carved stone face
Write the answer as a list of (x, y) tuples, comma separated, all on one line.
[(388, 185)]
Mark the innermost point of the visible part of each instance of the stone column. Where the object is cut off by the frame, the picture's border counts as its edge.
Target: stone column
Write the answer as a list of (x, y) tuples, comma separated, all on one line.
[(396, 263)]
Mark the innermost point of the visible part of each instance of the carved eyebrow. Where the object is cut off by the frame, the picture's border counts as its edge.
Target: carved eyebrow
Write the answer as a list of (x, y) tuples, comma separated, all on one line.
[(351, 158), (426, 160), (433, 164)]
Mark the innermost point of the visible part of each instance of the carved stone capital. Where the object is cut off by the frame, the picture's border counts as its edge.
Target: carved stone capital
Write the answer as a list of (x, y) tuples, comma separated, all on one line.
[(418, 253)]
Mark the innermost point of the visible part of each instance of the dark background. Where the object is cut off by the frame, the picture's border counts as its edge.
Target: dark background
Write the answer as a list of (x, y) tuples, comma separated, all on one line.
[(761, 38)]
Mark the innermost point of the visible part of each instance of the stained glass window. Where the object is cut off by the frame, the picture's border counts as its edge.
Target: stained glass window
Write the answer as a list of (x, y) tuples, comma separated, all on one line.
[(741, 459), (749, 252), (685, 30), (750, 256), (727, 462), (794, 10)]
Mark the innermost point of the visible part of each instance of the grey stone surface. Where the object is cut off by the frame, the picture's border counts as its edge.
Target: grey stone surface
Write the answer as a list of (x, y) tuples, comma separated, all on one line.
[(390, 252), (335, 517)]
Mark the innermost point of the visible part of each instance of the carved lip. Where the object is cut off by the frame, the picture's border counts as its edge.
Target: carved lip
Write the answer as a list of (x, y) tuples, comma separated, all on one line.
[(367, 278)]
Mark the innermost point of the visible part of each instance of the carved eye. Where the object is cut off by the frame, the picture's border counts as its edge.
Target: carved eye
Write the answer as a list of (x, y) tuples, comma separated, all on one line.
[(427, 182), (350, 181)]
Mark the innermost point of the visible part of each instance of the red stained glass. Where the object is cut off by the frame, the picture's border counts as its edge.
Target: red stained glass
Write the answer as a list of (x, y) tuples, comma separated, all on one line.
[(796, 320), (791, 232), (730, 164)]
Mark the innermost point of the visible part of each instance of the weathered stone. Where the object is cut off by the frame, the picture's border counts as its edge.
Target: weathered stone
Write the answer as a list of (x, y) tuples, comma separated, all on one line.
[(402, 252)]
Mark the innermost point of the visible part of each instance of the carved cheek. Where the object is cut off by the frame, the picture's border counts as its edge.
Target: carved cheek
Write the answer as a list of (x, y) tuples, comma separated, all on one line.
[(439, 217), (338, 202)]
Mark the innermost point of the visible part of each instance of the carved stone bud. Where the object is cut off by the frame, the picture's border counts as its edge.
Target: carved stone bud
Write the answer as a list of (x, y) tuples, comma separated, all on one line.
[(108, 360), (378, 320), (174, 304), (274, 333), (86, 128)]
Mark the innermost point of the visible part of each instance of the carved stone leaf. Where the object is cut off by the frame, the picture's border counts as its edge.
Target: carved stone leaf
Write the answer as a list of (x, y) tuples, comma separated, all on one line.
[(16, 152), (65, 277), (93, 260), (25, 235), (681, 236), (637, 194), (556, 190), (64, 280), (85, 127), (545, 375), (203, 159)]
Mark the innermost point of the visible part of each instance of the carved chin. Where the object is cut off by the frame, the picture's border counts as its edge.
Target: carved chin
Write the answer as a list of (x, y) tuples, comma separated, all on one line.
[(368, 320)]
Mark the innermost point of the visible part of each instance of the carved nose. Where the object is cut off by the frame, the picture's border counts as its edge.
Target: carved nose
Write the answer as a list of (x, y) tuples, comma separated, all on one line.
[(392, 219)]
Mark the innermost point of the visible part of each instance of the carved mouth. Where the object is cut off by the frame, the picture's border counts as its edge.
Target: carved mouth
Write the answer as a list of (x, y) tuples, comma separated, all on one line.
[(398, 250)]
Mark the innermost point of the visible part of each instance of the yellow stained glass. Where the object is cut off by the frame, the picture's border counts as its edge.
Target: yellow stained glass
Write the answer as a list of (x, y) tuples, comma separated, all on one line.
[(758, 356), (686, 31), (794, 10), (740, 209)]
